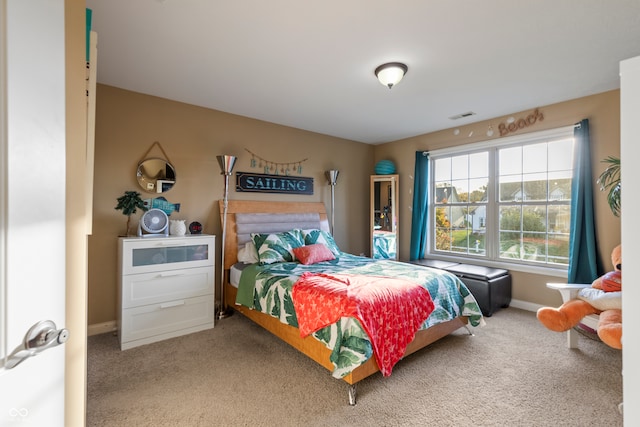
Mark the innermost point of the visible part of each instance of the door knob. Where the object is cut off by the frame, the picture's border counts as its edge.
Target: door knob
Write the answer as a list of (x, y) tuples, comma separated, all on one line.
[(39, 337)]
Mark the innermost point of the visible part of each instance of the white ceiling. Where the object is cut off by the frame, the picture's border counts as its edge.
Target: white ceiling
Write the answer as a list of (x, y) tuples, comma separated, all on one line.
[(309, 64)]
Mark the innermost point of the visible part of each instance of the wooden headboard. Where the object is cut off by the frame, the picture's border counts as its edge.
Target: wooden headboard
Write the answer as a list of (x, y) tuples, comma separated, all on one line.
[(262, 207)]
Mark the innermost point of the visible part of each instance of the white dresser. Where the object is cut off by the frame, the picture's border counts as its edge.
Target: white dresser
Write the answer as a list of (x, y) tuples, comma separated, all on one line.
[(166, 287)]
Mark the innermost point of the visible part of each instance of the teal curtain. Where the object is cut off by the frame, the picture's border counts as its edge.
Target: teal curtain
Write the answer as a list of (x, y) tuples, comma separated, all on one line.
[(583, 259), (420, 207)]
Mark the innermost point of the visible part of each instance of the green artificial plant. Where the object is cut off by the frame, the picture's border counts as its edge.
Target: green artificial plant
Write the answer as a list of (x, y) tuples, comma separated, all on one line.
[(129, 203), (609, 180)]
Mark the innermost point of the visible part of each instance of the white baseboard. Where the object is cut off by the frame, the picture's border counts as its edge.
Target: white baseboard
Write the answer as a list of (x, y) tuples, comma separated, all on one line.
[(112, 326), (102, 328), (524, 305)]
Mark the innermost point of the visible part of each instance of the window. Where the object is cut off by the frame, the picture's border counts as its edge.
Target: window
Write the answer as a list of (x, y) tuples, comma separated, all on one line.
[(506, 201)]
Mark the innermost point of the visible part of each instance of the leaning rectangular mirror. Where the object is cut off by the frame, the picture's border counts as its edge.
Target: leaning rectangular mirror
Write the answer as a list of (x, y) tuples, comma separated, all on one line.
[(384, 216)]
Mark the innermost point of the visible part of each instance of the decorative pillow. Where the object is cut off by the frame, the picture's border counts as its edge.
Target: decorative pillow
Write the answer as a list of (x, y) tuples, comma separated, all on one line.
[(311, 254), (320, 236), (277, 247), (248, 254), (600, 299)]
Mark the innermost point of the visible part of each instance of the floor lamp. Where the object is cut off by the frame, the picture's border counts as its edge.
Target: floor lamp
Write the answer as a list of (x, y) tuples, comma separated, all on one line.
[(332, 177), (226, 167)]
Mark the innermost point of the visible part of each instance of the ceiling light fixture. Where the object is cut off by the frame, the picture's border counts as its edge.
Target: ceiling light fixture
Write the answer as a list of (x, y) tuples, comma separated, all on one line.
[(391, 73)]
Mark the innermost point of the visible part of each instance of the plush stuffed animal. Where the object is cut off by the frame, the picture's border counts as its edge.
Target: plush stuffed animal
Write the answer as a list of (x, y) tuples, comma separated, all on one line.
[(603, 298)]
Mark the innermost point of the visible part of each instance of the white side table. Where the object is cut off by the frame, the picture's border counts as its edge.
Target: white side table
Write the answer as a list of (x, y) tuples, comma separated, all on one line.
[(569, 291)]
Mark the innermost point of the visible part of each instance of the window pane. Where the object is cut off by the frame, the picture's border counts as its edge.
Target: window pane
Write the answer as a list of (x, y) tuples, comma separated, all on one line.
[(559, 219), (510, 244), (558, 248), (442, 169), (457, 217), (510, 188), (465, 223), (510, 218), (478, 190), (534, 158), (534, 247), (460, 167), (534, 218), (460, 191), (479, 165), (559, 186), (561, 155), (510, 161), (526, 247), (477, 243), (460, 240), (534, 186), (443, 192), (478, 218), (443, 229)]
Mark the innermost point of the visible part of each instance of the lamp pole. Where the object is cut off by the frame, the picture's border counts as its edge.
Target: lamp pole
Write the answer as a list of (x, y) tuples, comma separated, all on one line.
[(332, 178), (226, 167)]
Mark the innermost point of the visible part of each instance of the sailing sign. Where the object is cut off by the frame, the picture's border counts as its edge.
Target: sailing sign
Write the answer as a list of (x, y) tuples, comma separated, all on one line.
[(264, 183)]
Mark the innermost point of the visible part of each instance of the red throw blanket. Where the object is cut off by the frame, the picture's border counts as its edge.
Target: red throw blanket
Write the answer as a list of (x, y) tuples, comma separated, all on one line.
[(390, 310)]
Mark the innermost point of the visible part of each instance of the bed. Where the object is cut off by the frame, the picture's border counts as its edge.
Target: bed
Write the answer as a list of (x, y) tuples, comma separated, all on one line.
[(245, 218), (384, 244)]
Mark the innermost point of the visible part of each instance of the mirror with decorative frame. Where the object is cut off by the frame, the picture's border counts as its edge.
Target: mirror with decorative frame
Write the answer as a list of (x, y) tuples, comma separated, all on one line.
[(384, 216), (155, 175)]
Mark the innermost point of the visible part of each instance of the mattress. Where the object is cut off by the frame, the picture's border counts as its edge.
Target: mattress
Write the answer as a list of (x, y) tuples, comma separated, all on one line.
[(235, 272)]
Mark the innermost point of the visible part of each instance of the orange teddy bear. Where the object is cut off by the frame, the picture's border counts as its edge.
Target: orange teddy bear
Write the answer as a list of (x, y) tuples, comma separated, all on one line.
[(603, 298)]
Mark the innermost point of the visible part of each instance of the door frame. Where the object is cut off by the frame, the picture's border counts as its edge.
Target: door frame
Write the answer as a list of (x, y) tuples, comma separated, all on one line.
[(3, 176), (77, 203)]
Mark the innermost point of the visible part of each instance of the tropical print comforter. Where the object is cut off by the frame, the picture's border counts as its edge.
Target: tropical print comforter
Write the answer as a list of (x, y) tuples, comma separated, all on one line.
[(390, 310), (267, 288)]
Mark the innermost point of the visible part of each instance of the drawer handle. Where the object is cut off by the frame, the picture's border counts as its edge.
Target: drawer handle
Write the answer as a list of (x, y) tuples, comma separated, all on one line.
[(172, 304), (170, 274), (169, 245)]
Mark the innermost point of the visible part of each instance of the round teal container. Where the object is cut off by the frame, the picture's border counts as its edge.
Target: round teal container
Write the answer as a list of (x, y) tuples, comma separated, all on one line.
[(385, 167)]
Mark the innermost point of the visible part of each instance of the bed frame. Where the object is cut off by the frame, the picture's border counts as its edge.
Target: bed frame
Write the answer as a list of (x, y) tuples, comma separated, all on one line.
[(311, 347)]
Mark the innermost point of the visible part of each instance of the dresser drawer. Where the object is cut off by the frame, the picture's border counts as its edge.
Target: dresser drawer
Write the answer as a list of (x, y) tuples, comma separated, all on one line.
[(155, 322), (144, 255), (161, 286)]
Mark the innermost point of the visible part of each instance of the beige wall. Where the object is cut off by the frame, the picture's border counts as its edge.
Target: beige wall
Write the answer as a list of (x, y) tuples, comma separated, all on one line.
[(128, 123), (603, 112)]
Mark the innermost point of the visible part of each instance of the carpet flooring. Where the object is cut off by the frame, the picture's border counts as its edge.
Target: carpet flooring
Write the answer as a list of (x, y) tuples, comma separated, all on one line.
[(512, 372)]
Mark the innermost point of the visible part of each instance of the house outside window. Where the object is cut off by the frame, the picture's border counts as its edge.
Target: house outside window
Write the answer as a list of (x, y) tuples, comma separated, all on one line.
[(505, 200)]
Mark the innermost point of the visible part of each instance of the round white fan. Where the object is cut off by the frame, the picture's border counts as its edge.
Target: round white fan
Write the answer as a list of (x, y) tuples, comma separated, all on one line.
[(155, 222)]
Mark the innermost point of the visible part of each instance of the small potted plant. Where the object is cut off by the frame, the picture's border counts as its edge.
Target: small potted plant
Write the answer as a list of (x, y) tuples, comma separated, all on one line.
[(129, 203), (609, 180)]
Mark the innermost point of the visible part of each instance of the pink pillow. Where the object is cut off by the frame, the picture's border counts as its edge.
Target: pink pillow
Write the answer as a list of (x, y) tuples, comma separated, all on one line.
[(311, 254)]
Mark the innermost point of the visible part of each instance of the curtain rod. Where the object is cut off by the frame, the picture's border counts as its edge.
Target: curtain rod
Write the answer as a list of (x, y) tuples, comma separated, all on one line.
[(564, 131)]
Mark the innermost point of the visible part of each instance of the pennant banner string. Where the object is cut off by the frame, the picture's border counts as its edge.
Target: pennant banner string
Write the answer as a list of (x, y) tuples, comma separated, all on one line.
[(276, 168)]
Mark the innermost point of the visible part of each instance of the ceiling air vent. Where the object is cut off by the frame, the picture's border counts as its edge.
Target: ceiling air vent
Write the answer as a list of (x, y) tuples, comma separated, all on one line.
[(459, 116)]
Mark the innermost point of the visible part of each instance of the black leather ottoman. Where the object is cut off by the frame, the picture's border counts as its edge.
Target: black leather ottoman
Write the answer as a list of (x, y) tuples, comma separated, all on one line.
[(491, 287)]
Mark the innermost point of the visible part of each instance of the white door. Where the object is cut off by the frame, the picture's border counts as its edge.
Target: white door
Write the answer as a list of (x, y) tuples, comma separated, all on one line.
[(629, 151), (32, 207)]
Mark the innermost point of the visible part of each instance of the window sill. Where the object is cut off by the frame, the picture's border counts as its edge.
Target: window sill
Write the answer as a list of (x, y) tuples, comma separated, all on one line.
[(524, 268)]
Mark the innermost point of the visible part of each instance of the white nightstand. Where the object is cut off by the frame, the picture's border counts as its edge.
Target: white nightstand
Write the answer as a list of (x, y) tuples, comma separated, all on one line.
[(166, 287)]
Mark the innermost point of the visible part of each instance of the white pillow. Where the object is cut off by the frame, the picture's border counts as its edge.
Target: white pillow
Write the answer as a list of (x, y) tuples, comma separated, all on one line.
[(600, 299), (248, 254)]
